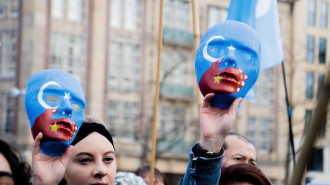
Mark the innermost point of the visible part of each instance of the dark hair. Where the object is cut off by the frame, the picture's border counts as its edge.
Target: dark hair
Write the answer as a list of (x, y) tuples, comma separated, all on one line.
[(89, 127), (21, 171), (239, 136), (243, 173), (142, 171)]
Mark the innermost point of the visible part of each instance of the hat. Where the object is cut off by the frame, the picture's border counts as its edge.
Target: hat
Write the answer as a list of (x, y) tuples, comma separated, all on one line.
[(128, 178), (89, 127)]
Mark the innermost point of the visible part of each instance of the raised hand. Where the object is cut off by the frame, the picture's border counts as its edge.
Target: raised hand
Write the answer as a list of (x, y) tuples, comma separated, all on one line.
[(48, 170), (215, 123)]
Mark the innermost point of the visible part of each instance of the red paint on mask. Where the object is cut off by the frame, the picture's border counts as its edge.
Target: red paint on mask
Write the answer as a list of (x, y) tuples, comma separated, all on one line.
[(225, 81)]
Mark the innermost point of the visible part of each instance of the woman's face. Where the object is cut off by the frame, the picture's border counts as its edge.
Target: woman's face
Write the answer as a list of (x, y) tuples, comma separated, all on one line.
[(92, 161)]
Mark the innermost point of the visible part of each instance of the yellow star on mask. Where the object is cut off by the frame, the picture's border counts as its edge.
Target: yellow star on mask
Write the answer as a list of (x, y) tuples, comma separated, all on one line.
[(217, 79), (54, 127)]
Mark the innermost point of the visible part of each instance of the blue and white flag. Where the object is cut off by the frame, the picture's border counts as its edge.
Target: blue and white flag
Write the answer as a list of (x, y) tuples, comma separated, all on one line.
[(262, 15)]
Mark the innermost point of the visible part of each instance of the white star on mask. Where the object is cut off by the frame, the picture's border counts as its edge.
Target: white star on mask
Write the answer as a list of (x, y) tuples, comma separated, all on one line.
[(67, 96), (231, 48)]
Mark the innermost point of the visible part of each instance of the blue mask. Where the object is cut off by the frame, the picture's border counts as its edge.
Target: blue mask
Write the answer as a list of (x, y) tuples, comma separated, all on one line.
[(228, 62), (55, 105)]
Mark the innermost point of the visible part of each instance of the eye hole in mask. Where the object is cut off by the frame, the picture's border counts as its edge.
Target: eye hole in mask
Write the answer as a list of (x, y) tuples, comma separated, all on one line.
[(76, 107), (53, 99)]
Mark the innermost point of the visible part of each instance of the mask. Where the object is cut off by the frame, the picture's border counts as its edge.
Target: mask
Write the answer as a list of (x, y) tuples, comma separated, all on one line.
[(55, 105), (227, 62)]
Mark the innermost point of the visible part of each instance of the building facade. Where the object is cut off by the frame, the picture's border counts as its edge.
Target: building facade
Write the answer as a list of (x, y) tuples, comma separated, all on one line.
[(310, 66), (111, 46)]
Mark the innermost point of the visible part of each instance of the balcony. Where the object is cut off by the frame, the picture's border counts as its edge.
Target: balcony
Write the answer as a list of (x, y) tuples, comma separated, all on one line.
[(176, 91), (176, 36)]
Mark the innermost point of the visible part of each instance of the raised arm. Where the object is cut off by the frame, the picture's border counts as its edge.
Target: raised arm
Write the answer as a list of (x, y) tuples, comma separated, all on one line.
[(47, 170), (205, 158), (215, 123)]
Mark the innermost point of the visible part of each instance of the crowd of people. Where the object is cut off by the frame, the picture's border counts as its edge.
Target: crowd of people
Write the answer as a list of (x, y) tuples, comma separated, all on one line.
[(91, 158), (70, 150)]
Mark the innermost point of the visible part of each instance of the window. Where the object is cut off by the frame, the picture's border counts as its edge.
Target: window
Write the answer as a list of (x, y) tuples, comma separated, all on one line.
[(323, 21), (177, 15), (10, 125), (309, 85), (58, 7), (310, 49), (8, 52), (316, 162), (265, 87), (311, 8), (75, 10), (322, 50), (124, 72), (252, 130), (168, 14), (2, 8), (324, 126), (216, 15), (320, 85), (172, 122), (132, 15), (171, 130), (260, 133), (181, 12), (67, 52), (115, 65), (124, 118), (126, 14), (266, 134), (13, 8), (115, 13), (308, 118), (175, 68)]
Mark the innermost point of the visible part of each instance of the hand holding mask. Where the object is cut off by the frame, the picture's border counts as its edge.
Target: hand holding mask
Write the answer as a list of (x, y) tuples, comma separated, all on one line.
[(228, 62), (55, 104)]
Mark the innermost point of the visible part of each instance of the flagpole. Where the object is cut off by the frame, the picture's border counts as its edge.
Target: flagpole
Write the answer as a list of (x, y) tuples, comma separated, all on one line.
[(291, 137), (196, 33), (314, 129), (289, 112), (154, 125)]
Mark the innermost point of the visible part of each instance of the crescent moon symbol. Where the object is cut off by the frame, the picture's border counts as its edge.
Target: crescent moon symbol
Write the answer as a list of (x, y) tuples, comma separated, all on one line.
[(262, 7), (41, 92), (205, 54)]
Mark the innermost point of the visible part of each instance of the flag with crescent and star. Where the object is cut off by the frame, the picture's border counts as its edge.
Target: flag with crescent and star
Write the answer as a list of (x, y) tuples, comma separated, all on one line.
[(262, 15)]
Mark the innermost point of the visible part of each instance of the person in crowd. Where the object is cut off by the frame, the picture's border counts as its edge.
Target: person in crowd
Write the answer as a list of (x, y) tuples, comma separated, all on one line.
[(13, 169), (238, 149), (227, 65), (205, 158), (243, 174), (92, 159), (144, 172), (128, 178)]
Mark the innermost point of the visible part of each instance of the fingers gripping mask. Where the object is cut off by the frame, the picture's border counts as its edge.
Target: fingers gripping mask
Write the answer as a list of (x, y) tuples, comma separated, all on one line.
[(55, 105), (227, 62)]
